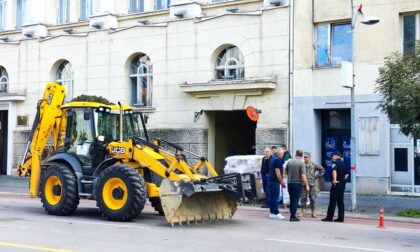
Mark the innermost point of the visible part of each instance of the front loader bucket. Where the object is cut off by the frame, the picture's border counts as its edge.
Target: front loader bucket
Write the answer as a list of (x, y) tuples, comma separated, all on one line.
[(186, 201)]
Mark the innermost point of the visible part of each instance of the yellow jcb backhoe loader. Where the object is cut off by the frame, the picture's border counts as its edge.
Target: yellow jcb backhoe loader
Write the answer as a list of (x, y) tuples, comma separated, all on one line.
[(103, 152)]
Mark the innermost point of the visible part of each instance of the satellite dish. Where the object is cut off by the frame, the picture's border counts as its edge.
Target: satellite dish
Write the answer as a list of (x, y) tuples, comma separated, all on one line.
[(253, 113)]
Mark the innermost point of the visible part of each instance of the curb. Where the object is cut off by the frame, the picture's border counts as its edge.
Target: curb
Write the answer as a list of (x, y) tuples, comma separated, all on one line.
[(348, 214)]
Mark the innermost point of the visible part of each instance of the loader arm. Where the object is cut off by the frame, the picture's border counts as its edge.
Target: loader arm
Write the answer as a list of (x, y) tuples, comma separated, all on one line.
[(46, 120), (173, 158)]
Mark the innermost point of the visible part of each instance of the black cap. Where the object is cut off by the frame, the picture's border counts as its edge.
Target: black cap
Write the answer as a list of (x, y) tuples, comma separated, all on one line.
[(337, 153)]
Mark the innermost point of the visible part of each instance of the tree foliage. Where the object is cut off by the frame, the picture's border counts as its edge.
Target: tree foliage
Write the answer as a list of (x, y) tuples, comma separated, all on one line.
[(92, 98), (399, 86)]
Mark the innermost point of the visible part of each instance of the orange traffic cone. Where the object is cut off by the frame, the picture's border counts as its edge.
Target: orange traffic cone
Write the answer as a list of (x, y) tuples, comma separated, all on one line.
[(381, 218)]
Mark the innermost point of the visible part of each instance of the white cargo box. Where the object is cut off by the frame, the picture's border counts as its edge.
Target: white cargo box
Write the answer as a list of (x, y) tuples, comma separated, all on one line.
[(243, 164)]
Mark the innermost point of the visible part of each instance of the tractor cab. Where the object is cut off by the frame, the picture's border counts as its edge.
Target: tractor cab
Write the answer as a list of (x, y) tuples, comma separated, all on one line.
[(88, 127)]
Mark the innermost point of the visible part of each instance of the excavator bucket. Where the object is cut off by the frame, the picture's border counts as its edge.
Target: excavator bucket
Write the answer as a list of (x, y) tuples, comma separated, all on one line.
[(193, 201)]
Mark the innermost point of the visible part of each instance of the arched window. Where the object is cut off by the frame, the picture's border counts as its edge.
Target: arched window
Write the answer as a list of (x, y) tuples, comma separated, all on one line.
[(230, 64), (4, 80), (141, 79), (64, 76)]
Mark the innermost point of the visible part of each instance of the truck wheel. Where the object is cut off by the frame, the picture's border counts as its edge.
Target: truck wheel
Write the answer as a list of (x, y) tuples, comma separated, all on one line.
[(157, 205), (59, 192), (120, 193)]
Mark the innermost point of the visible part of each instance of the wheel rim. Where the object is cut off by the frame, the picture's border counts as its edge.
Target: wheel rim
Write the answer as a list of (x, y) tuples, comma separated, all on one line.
[(53, 190), (114, 193)]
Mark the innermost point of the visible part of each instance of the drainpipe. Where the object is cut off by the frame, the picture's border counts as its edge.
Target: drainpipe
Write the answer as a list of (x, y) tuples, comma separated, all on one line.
[(291, 66)]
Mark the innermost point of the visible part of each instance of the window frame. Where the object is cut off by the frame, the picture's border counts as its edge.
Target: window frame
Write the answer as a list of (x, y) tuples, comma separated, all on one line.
[(20, 13), (330, 35), (417, 28), (68, 82), (63, 19), (3, 3), (166, 5), (86, 7), (240, 64), (138, 75), (140, 8), (4, 79)]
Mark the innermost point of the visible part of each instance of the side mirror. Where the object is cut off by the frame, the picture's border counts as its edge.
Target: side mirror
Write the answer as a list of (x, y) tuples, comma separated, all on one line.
[(100, 138)]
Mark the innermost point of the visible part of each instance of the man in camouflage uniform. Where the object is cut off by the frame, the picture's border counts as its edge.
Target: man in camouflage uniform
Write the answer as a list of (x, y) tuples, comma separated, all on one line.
[(313, 173)]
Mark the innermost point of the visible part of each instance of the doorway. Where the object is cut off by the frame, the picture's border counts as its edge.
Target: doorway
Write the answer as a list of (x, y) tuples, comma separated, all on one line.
[(234, 135), (336, 132), (405, 167), (3, 142)]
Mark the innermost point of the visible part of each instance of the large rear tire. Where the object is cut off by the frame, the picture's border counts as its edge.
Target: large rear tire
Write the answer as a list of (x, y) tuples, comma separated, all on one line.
[(59, 191), (120, 193)]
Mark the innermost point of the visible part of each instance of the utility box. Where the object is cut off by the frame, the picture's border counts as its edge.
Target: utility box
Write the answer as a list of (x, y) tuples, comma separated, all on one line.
[(346, 78), (247, 164)]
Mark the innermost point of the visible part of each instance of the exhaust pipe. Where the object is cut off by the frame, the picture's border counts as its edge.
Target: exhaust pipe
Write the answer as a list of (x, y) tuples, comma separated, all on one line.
[(121, 121)]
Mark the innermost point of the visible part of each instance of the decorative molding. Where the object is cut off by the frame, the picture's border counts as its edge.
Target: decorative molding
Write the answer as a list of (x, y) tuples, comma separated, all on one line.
[(217, 87)]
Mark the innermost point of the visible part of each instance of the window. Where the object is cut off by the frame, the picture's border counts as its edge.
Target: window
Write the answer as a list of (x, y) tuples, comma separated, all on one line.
[(136, 6), (63, 11), (64, 76), (333, 44), (20, 12), (80, 134), (141, 78), (4, 80), (2, 15), (162, 4), (368, 137), (85, 9), (401, 159), (411, 32), (230, 64)]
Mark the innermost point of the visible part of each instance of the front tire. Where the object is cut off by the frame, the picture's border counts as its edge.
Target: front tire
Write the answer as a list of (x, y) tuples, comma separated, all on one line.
[(120, 193), (59, 192)]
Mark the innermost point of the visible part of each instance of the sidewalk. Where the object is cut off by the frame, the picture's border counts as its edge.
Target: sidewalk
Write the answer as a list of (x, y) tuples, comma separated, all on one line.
[(14, 184), (367, 206)]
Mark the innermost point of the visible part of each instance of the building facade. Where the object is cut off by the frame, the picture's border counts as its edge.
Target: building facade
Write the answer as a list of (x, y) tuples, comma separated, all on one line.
[(194, 67), (386, 161), (191, 67)]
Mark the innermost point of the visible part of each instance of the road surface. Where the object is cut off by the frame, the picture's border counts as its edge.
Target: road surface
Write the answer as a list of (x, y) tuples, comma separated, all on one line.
[(25, 226)]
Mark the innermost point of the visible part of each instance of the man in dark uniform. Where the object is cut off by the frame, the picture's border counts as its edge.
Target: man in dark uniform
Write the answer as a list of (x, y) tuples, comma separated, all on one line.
[(275, 180), (264, 173), (338, 184)]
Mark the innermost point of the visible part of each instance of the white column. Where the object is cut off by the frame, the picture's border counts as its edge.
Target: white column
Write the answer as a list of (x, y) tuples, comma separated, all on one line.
[(103, 7), (34, 12), (149, 5)]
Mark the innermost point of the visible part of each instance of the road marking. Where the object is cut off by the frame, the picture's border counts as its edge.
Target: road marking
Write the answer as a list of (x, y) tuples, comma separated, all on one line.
[(98, 223), (15, 245), (330, 245)]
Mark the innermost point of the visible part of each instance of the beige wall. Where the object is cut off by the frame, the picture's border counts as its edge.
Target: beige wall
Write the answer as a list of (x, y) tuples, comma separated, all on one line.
[(372, 43), (181, 51)]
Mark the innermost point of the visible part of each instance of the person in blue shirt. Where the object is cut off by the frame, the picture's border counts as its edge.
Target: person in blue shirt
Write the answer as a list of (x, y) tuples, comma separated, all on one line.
[(275, 180)]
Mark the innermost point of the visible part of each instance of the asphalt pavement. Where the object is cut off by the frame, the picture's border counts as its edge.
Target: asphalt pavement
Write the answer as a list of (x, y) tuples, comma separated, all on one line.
[(25, 226), (367, 205)]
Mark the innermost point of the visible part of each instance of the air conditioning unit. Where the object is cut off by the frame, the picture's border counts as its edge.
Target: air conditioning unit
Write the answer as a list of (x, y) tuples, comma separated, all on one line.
[(185, 10), (34, 31), (276, 3), (103, 21)]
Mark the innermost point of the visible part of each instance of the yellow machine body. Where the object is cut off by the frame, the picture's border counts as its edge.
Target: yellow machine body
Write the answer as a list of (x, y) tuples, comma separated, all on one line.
[(131, 169)]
